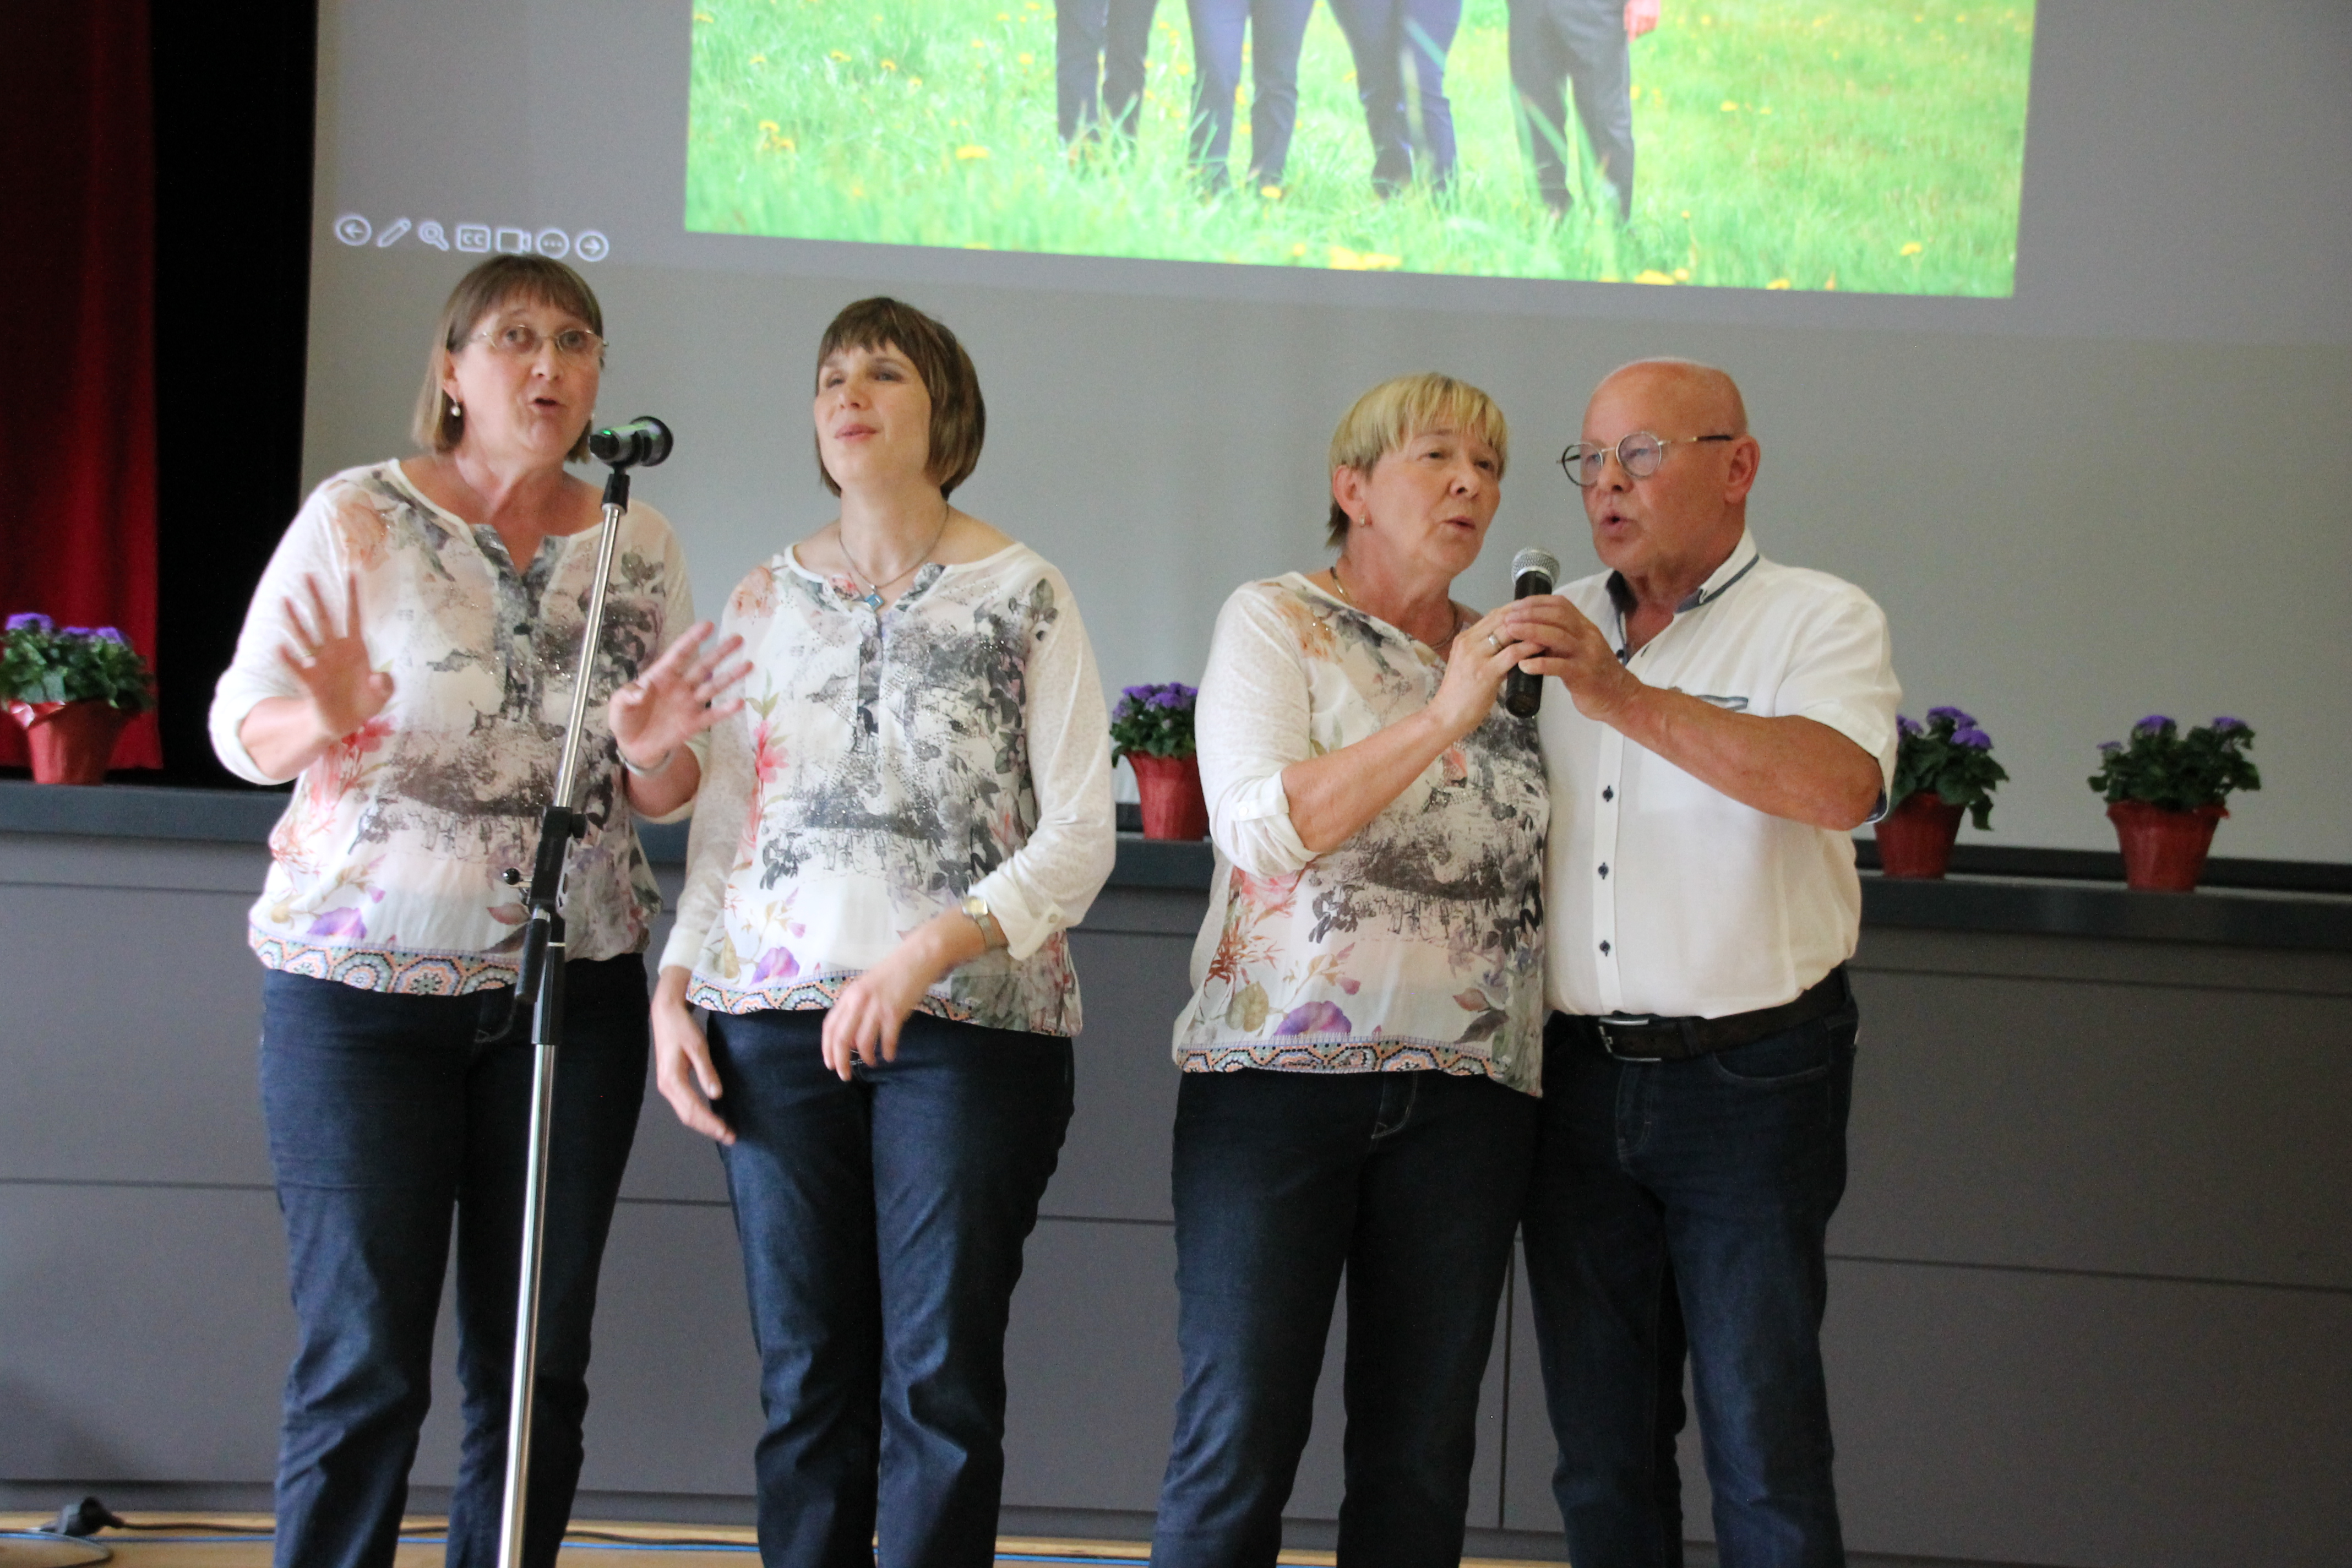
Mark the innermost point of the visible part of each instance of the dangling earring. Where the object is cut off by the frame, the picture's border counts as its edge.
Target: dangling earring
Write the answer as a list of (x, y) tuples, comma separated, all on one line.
[(455, 412)]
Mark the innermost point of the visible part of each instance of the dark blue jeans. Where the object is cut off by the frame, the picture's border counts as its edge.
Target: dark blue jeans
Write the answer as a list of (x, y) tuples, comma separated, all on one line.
[(387, 1121), (881, 1222), (1399, 47), (1729, 1165), (1410, 1183), (1556, 45), (1098, 52), (1276, 29)]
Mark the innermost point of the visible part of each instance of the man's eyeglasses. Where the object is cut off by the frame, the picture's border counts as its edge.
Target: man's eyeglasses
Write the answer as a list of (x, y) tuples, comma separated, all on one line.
[(520, 340), (1639, 454)]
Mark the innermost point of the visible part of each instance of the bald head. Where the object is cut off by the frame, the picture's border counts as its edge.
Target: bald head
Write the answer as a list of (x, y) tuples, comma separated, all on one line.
[(1706, 396)]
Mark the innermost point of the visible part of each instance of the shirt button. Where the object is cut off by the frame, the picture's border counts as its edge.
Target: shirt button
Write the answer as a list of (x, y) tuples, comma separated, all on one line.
[(1605, 868), (1604, 948), (1609, 794), (523, 629)]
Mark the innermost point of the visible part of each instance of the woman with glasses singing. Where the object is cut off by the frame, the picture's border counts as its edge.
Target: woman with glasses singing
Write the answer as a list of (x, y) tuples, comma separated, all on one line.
[(1362, 1046), (409, 661), (899, 829)]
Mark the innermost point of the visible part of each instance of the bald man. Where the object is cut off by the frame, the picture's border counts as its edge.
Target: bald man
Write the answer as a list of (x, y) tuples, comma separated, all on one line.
[(1726, 723)]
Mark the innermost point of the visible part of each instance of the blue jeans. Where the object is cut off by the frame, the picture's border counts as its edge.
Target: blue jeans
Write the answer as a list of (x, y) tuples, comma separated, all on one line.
[(387, 1120), (881, 1222), (1389, 39), (1277, 28), (1410, 1183), (1098, 52), (1560, 44), (1729, 1165)]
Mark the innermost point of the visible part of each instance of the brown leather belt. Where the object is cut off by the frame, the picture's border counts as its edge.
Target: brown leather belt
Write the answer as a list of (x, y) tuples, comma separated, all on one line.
[(1650, 1039)]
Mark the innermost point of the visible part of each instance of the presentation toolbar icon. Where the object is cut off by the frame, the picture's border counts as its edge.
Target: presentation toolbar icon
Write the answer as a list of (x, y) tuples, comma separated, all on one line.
[(475, 239)]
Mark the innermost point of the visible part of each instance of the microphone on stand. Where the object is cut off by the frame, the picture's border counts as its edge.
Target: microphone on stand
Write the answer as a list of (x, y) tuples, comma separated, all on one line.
[(1533, 572), (640, 444)]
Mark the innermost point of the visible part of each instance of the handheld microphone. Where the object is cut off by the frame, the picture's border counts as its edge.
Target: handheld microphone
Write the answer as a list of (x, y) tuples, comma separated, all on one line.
[(640, 444), (1533, 572)]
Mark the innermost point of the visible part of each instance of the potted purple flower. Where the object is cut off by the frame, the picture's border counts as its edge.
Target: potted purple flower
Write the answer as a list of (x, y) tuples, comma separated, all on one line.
[(1942, 768), (2165, 792), (1153, 729), (73, 689)]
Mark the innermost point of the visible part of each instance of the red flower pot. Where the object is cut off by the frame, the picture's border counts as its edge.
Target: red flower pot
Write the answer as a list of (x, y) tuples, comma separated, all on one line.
[(2164, 851), (71, 742), (1914, 839), (1173, 806)]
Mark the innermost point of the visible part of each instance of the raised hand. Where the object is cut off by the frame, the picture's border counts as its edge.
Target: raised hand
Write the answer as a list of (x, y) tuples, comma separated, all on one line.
[(675, 699), (331, 663)]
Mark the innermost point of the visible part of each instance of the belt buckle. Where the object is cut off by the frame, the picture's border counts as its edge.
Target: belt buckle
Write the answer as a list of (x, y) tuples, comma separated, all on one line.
[(1601, 1027)]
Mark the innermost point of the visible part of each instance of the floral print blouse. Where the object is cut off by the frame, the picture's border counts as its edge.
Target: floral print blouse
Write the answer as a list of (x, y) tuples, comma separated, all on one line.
[(885, 765), (1415, 944), (386, 865)]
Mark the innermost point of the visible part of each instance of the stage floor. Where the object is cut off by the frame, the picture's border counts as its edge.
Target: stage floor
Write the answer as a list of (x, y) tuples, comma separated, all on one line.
[(242, 1540)]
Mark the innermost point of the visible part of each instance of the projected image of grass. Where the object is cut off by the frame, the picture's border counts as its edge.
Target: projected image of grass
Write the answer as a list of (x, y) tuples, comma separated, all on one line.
[(1868, 145)]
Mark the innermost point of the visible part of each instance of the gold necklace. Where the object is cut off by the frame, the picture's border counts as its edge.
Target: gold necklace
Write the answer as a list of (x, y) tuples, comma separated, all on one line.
[(872, 598)]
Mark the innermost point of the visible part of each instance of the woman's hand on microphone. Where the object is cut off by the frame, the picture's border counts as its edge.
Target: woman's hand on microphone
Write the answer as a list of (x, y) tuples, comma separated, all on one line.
[(340, 691), (1483, 655)]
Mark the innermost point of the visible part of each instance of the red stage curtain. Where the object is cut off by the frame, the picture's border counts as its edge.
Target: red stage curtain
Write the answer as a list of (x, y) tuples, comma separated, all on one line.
[(78, 332)]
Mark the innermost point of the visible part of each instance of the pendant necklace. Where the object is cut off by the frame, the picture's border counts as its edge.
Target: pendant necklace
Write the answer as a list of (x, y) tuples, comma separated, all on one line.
[(872, 598), (1350, 600)]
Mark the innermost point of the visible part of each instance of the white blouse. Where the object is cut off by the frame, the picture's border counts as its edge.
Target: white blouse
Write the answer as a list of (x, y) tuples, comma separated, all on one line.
[(887, 764), (1415, 944), (386, 865)]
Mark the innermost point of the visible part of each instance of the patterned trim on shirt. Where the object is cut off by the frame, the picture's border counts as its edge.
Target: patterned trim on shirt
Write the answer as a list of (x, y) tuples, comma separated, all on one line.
[(807, 996), (395, 974), (1358, 1055)]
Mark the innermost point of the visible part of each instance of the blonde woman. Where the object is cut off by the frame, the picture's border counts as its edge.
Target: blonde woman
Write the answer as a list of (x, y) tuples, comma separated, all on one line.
[(1363, 1043)]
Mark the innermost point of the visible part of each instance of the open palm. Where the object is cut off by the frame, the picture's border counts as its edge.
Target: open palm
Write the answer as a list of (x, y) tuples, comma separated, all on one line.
[(331, 661)]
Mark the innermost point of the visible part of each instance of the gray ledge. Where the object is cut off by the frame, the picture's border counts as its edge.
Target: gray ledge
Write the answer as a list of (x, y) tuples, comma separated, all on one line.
[(2214, 917)]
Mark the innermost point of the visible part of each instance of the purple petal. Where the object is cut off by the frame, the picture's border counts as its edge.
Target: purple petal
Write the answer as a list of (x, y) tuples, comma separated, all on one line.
[(1972, 737), (107, 634), (1315, 1018), (2153, 722), (1954, 714), (1908, 726), (340, 923), (31, 621), (776, 964), (2226, 723)]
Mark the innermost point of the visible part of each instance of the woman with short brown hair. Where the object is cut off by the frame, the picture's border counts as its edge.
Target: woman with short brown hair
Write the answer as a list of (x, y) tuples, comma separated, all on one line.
[(899, 831)]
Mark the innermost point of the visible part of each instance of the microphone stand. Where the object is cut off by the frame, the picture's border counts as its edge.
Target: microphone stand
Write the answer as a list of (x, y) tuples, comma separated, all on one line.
[(540, 984)]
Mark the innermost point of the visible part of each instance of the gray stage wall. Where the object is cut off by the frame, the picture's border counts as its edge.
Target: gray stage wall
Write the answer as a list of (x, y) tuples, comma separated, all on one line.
[(2091, 1290)]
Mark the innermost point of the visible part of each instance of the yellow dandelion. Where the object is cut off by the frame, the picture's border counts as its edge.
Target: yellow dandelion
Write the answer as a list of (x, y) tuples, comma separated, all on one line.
[(1271, 193), (704, 17), (839, 56), (1832, 284), (1652, 275), (1241, 96), (1002, 17), (1634, 92), (770, 126), (889, 65), (1705, 20), (1766, 110), (1779, 283), (1914, 249), (1299, 249), (978, 44), (968, 153), (913, 81), (759, 59), (856, 190), (1730, 106), (1682, 274), (1027, 60), (1346, 261)]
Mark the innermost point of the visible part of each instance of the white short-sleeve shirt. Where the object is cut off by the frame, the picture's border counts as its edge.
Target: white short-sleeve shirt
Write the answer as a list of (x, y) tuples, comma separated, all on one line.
[(1664, 897)]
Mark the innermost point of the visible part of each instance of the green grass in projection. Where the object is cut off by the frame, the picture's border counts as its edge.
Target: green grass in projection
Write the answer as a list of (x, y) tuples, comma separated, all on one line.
[(1872, 145)]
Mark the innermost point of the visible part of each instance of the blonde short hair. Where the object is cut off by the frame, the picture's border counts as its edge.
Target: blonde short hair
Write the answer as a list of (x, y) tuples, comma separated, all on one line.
[(1394, 412), (500, 281)]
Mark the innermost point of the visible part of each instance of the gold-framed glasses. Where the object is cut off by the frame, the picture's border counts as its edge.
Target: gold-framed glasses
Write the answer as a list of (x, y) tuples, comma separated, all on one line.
[(1639, 454)]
